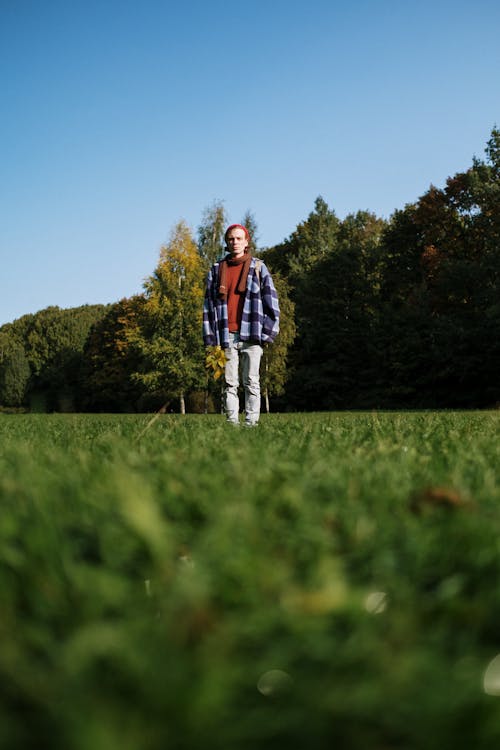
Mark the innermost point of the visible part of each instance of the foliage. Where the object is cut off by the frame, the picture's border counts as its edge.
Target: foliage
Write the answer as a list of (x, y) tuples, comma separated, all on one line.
[(312, 240), (250, 223), (335, 301), (110, 359), (323, 581), (399, 313), (440, 274), (211, 244), (275, 369), (168, 336), (215, 361), (14, 375), (375, 313), (52, 341)]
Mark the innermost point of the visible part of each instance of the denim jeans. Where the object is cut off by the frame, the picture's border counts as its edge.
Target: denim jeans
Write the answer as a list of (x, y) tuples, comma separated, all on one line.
[(249, 356)]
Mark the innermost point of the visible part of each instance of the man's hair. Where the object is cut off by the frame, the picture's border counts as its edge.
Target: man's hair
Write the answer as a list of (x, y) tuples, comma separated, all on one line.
[(237, 226)]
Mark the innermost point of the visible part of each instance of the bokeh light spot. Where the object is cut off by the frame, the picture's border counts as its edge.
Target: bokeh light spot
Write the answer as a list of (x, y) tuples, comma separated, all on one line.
[(491, 679), (274, 681), (376, 602)]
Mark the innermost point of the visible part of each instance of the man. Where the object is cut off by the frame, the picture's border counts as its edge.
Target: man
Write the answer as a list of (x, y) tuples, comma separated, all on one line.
[(240, 314)]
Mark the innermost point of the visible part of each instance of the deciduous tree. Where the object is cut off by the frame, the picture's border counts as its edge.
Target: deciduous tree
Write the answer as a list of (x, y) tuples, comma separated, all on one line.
[(110, 359), (211, 244), (169, 337), (14, 375), (275, 366)]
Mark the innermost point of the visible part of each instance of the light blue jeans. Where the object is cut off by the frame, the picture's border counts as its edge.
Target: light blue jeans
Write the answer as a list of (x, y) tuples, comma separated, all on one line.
[(248, 356)]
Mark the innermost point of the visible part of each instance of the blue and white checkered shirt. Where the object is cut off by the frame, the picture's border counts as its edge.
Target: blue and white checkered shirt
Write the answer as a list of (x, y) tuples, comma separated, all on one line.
[(260, 319)]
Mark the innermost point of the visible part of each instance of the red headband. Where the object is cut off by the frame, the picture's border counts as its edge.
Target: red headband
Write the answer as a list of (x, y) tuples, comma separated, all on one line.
[(237, 226)]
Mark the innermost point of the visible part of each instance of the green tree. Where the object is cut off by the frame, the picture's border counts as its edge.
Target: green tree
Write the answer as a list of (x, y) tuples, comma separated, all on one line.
[(53, 340), (110, 359), (169, 336), (311, 241), (211, 244), (274, 368), (55, 344), (440, 272), (250, 223), (14, 375), (336, 318)]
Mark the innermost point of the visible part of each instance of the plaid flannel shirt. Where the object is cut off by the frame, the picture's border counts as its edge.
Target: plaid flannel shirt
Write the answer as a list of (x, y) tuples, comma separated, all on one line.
[(260, 319)]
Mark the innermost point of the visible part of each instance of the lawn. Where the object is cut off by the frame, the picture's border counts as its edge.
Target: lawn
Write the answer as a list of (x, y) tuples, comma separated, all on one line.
[(324, 580)]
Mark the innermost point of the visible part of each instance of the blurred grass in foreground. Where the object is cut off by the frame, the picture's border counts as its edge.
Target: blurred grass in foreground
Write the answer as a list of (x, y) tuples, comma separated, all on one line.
[(325, 579)]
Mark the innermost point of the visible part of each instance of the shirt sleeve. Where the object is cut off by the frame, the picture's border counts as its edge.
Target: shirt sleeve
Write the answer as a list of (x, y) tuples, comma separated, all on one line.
[(209, 338), (270, 306)]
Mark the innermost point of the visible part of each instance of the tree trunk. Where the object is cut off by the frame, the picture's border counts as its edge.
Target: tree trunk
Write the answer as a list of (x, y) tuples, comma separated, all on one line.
[(266, 399), (182, 403)]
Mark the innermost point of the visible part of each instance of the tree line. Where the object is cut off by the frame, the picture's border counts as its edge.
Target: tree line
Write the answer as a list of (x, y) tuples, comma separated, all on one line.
[(376, 313)]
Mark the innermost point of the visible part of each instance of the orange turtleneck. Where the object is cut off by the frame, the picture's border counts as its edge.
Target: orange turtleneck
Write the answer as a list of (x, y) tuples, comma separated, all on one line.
[(235, 299)]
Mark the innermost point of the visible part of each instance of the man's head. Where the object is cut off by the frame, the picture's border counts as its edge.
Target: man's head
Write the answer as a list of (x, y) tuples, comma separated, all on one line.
[(237, 240)]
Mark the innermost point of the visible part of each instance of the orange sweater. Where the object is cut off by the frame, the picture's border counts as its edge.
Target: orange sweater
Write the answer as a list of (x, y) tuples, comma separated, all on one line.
[(235, 299)]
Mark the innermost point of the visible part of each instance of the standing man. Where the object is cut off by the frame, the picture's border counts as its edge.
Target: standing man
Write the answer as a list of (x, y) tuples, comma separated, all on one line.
[(240, 314)]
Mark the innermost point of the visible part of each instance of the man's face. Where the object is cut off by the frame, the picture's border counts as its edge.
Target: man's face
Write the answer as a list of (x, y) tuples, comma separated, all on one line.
[(237, 242)]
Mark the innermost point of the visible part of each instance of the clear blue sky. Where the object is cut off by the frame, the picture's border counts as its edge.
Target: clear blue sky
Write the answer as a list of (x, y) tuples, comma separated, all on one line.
[(119, 118)]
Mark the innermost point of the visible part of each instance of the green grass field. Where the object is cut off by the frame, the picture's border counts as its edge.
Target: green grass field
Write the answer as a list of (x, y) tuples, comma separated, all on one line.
[(326, 580)]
